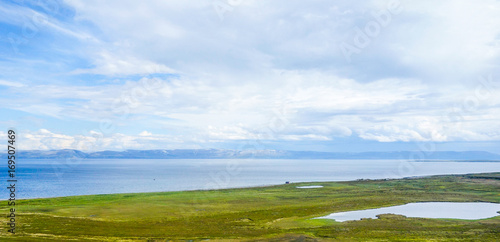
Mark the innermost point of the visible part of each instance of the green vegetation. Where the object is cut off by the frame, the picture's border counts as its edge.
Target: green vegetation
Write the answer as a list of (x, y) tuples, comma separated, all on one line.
[(274, 213)]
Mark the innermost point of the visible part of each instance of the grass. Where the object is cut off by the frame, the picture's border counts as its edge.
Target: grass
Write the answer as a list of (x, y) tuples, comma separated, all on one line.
[(274, 213)]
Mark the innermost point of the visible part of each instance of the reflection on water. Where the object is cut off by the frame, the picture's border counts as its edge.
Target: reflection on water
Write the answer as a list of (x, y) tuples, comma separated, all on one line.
[(475, 210)]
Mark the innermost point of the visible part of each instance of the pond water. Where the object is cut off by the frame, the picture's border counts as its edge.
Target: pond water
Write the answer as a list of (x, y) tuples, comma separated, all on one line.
[(308, 187), (473, 210)]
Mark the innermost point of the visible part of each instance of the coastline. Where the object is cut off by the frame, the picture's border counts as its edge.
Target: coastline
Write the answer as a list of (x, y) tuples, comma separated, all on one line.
[(267, 185)]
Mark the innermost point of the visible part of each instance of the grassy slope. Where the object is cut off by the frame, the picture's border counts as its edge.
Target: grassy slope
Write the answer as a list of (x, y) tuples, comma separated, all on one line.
[(279, 213)]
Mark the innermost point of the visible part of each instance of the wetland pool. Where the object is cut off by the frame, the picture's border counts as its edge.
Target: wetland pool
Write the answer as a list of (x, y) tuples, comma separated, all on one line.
[(450, 210)]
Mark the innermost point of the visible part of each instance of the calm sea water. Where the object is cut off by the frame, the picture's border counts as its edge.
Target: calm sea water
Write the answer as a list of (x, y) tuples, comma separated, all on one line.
[(54, 178)]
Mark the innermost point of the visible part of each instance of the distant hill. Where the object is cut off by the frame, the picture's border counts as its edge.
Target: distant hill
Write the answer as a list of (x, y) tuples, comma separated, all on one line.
[(256, 154)]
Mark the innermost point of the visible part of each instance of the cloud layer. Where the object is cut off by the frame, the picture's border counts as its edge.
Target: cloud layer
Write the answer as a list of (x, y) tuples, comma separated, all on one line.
[(180, 74)]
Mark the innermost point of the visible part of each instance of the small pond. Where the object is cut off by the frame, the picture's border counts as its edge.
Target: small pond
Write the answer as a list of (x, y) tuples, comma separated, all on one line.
[(308, 187), (453, 210)]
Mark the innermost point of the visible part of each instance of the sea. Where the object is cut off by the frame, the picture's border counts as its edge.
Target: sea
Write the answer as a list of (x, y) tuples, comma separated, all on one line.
[(41, 178)]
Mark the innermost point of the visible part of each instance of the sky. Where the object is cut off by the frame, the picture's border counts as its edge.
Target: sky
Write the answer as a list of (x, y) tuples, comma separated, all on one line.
[(315, 75)]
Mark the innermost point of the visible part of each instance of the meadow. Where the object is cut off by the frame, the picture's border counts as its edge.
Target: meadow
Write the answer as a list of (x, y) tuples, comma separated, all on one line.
[(272, 213)]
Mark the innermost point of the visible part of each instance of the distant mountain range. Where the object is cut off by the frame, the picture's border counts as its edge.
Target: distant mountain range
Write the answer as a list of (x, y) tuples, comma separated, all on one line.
[(255, 154)]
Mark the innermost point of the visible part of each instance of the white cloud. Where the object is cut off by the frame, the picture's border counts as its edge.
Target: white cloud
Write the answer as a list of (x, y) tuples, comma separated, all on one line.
[(255, 36), (45, 140), (11, 84), (271, 70), (145, 133), (34, 22), (110, 64), (305, 105), (95, 141)]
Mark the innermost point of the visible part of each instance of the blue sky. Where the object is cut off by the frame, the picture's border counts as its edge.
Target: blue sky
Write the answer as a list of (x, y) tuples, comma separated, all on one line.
[(299, 75)]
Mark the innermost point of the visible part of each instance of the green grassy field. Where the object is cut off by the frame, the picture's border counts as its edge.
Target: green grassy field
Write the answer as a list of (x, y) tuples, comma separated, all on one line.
[(274, 213)]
